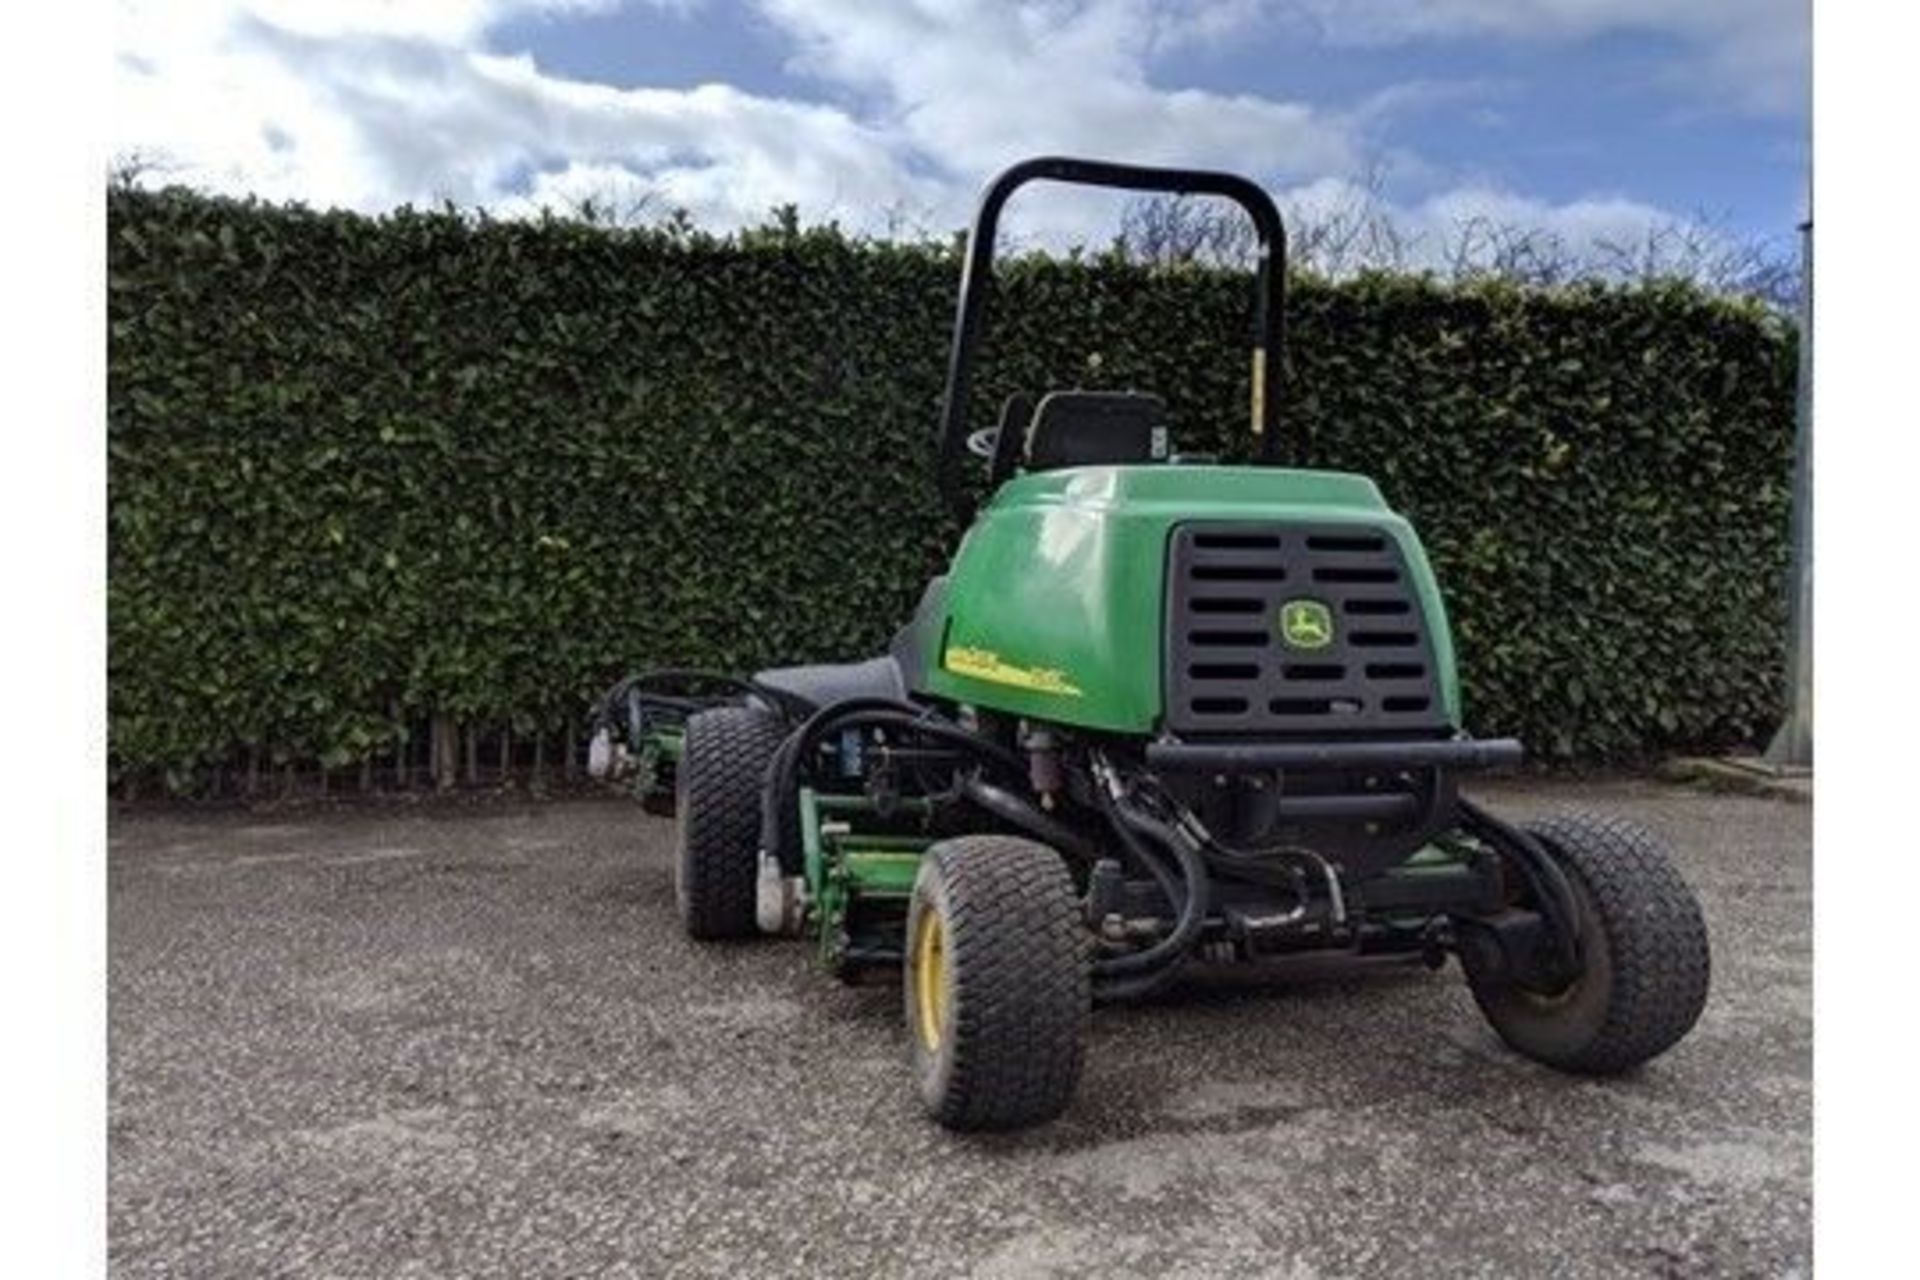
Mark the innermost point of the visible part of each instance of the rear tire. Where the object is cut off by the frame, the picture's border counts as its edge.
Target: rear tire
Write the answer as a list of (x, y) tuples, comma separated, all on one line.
[(1645, 966), (718, 784), (997, 983)]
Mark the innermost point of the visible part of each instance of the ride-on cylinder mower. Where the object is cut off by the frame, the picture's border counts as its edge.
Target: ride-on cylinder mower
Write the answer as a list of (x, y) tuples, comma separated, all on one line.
[(1157, 712)]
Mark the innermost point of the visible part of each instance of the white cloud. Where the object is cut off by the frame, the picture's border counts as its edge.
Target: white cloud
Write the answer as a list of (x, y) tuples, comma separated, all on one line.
[(372, 103), (369, 105), (977, 83), (973, 85)]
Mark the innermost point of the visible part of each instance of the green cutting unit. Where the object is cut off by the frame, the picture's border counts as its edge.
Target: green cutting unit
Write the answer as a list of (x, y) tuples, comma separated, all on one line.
[(1159, 713)]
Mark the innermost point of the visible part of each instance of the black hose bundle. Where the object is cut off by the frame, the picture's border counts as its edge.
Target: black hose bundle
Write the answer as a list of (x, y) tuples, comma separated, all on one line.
[(1148, 841), (1134, 829), (783, 772), (1017, 811), (1142, 836), (882, 713), (1140, 833), (1548, 883)]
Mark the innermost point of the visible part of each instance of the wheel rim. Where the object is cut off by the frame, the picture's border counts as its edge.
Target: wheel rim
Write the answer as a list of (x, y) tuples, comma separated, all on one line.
[(930, 979)]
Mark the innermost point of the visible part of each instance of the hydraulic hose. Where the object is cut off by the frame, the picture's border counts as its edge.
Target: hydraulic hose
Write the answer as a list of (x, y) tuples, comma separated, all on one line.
[(1041, 826), (1256, 866), (1115, 977), (1544, 876), (784, 771), (1136, 973), (890, 713), (1133, 828), (1137, 986), (1155, 866)]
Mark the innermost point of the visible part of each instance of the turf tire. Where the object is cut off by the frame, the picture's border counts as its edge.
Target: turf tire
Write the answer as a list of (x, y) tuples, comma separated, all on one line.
[(1645, 966), (1018, 983), (717, 792)]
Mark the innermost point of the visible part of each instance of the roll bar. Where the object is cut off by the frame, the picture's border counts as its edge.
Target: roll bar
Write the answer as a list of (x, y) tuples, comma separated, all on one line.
[(976, 280)]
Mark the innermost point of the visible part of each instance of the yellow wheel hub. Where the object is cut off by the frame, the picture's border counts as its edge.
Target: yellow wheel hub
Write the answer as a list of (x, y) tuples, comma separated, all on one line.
[(930, 984)]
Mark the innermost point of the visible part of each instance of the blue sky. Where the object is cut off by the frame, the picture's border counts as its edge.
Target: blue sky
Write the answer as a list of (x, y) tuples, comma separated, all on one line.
[(1589, 117)]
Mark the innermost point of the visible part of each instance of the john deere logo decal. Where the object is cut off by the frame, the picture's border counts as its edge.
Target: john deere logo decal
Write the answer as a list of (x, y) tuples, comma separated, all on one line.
[(1306, 624)]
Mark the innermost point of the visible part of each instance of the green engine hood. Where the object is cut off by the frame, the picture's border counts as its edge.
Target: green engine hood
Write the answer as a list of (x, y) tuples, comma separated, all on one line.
[(1054, 606)]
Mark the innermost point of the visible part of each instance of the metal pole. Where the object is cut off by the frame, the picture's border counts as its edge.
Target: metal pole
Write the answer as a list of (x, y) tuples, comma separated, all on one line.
[(1793, 743)]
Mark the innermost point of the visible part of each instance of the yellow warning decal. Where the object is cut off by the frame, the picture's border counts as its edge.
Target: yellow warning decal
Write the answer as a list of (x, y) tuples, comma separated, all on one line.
[(984, 664)]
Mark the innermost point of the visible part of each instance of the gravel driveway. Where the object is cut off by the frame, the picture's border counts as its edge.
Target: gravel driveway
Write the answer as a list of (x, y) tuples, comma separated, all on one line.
[(442, 1042)]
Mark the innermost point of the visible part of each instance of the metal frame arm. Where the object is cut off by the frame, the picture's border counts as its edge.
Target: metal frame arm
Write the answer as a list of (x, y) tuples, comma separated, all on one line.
[(976, 281)]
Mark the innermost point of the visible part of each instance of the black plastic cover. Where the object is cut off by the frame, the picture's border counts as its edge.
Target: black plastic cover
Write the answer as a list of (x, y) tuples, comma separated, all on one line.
[(1360, 663)]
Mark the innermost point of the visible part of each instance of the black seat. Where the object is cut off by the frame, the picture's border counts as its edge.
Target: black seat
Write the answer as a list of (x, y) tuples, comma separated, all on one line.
[(1096, 428)]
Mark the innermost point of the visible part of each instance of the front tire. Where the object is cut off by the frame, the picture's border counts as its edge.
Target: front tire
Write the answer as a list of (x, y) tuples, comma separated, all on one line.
[(723, 765), (997, 985), (1644, 956)]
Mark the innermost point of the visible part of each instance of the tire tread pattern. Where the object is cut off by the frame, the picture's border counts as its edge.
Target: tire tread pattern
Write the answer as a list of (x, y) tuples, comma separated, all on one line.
[(1018, 953), (719, 779), (1656, 935)]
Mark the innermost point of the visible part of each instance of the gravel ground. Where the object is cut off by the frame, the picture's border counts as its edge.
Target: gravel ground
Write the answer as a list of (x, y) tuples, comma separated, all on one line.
[(474, 1043)]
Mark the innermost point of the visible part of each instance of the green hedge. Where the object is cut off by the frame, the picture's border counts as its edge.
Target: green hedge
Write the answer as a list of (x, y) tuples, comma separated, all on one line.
[(368, 471)]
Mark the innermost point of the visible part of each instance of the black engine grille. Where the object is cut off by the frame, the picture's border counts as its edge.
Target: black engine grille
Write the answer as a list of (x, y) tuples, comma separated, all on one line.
[(1229, 671)]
